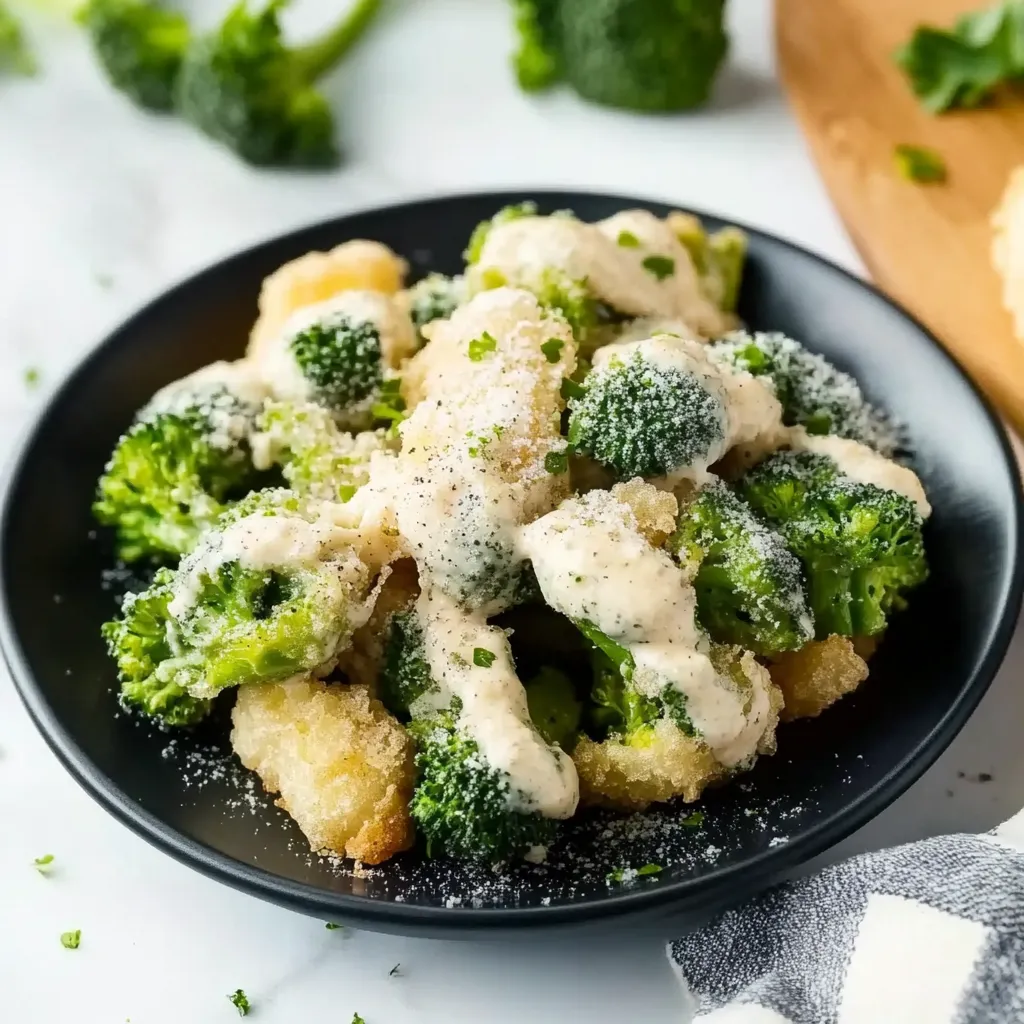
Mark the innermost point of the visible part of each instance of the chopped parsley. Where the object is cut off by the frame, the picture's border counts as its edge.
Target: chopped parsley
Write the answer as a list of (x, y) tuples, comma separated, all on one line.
[(570, 389), (917, 163), (628, 874), (557, 462), (628, 240), (492, 278), (32, 377), (615, 875), (394, 970), (660, 266), (356, 1019), (482, 657), (552, 349), (333, 926), (42, 864), (390, 405), (346, 491), (240, 1001), (650, 869), (694, 820), (479, 347), (71, 940)]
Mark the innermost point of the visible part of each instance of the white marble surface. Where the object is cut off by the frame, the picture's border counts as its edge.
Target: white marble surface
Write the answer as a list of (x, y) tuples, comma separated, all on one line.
[(102, 207)]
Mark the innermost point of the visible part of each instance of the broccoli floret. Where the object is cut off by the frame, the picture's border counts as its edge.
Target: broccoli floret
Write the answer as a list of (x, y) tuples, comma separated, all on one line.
[(554, 707), (340, 359), (644, 419), (436, 297), (536, 61), (814, 394), (174, 472), (317, 459), (750, 588), (405, 674), (617, 707), (213, 623), (719, 258), (140, 46), (244, 88), (15, 54), (461, 805), (140, 642), (861, 545), (646, 55)]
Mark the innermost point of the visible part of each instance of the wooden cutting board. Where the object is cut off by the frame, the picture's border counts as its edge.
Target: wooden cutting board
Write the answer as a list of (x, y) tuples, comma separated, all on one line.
[(927, 246)]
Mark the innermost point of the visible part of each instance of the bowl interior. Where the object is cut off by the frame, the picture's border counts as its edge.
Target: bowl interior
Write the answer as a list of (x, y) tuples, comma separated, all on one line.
[(187, 794)]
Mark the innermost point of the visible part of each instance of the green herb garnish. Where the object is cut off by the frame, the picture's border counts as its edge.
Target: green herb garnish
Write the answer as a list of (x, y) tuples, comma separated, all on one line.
[(71, 940), (240, 1001), (628, 240), (552, 349), (917, 163), (660, 266), (482, 657), (479, 347), (42, 864), (694, 820)]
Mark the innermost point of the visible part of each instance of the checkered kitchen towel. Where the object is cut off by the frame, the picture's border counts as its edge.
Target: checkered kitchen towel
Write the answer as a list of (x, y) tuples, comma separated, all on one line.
[(928, 933)]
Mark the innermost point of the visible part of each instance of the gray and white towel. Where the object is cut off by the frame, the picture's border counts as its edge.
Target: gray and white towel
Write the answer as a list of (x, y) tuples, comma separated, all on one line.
[(927, 933)]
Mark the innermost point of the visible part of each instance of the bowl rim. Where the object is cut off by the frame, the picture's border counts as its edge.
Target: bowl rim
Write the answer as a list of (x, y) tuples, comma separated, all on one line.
[(311, 899)]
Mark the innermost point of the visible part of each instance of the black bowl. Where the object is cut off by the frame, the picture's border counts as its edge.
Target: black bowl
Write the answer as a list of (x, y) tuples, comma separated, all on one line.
[(831, 775)]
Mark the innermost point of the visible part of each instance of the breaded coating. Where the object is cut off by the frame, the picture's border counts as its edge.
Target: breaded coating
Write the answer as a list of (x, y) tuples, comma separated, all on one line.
[(655, 510), (342, 764), (362, 661), (316, 276), (817, 675), (667, 764)]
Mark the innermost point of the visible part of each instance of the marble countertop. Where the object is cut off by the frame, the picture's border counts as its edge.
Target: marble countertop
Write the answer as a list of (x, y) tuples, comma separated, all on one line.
[(101, 207)]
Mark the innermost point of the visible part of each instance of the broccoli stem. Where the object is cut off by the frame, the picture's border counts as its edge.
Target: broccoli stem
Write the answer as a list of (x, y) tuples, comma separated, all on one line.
[(317, 58)]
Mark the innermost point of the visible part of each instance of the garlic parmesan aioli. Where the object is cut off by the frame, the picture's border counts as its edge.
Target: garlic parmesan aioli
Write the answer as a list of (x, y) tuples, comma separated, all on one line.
[(494, 712), (865, 465), (592, 563), (527, 249)]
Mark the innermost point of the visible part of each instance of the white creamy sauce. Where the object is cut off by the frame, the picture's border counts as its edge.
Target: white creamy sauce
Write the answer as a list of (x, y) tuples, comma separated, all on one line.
[(865, 465), (494, 711), (525, 250), (591, 563)]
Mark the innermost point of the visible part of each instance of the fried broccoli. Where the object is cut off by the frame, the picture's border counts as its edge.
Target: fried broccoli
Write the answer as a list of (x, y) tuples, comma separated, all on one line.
[(229, 615), (719, 258), (184, 461), (554, 707), (861, 545), (814, 394), (462, 806), (15, 54), (645, 418), (405, 674), (750, 588), (244, 88), (317, 459), (645, 55), (436, 297), (140, 46)]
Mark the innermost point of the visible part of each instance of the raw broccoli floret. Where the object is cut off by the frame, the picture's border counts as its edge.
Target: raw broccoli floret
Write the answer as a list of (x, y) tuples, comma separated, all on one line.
[(814, 394), (461, 805), (617, 707), (719, 258), (861, 545), (243, 87), (750, 588), (174, 472), (436, 297), (213, 623), (643, 419), (317, 459), (405, 674), (554, 707), (15, 54), (339, 356), (140, 46), (648, 55)]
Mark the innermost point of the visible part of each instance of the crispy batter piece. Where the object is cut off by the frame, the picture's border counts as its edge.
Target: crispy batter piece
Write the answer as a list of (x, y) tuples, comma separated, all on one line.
[(316, 276), (342, 764), (817, 675)]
